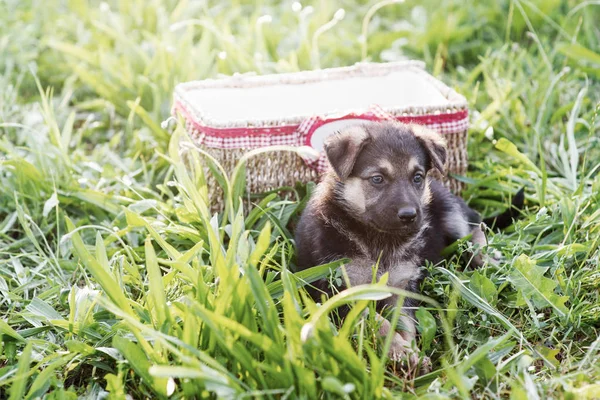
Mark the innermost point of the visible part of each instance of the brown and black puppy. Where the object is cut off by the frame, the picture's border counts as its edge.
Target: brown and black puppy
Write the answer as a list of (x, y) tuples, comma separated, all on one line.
[(379, 203)]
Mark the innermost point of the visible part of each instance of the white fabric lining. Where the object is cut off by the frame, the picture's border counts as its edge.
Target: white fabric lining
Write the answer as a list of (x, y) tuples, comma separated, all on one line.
[(404, 88)]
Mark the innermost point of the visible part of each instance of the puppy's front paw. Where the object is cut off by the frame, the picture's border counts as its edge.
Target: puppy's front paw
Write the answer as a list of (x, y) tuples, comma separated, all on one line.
[(482, 255), (480, 259), (401, 349), (426, 366), (402, 352), (407, 359)]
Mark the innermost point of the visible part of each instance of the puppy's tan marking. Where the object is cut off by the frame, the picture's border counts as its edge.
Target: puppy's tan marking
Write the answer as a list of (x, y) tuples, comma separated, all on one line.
[(324, 190), (386, 166), (354, 194), (426, 197), (413, 163)]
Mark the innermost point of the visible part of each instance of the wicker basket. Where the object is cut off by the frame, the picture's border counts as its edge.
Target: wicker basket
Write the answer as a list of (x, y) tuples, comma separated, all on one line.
[(229, 116)]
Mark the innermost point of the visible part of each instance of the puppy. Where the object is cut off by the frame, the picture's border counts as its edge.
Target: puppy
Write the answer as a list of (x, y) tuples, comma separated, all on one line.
[(379, 204)]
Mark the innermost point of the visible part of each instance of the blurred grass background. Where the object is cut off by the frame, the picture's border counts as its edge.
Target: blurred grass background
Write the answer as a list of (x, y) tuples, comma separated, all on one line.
[(115, 279)]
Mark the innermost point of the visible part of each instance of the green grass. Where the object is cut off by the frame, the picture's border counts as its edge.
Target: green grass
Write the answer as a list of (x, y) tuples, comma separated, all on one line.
[(115, 278)]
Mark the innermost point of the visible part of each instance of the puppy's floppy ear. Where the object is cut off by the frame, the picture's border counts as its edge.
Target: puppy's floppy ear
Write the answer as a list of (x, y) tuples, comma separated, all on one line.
[(434, 144), (343, 148)]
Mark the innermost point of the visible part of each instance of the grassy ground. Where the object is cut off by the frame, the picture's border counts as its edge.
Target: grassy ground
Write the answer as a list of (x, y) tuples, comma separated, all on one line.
[(116, 280)]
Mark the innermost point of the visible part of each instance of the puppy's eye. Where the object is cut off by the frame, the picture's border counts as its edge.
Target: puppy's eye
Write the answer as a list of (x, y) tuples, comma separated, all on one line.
[(418, 178), (377, 179)]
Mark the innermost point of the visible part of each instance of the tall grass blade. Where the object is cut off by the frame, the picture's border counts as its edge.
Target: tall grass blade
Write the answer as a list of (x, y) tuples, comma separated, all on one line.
[(17, 389)]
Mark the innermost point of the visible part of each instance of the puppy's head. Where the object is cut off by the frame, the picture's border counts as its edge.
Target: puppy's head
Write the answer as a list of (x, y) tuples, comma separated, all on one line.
[(381, 173)]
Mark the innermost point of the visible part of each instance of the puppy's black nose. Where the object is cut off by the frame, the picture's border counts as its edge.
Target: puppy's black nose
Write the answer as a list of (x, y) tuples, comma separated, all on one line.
[(407, 214)]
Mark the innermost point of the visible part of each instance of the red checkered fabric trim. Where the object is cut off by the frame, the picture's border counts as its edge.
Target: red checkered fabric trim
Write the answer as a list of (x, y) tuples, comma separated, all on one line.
[(299, 135), (442, 123), (240, 138), (321, 164)]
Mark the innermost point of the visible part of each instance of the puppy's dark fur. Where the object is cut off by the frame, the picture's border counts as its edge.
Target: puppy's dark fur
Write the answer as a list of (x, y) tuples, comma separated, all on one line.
[(379, 204)]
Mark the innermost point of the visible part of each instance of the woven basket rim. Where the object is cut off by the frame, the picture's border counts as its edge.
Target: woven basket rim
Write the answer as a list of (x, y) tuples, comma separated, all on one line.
[(457, 101)]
